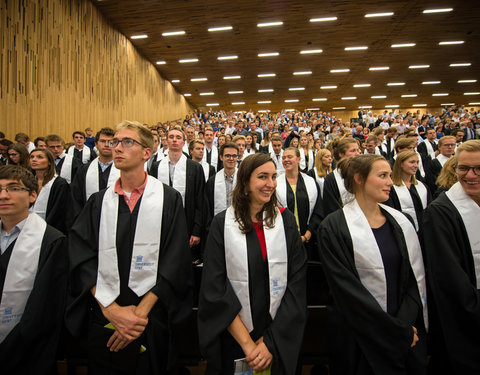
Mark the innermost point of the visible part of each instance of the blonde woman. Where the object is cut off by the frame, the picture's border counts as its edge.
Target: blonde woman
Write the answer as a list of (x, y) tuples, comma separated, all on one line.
[(323, 166)]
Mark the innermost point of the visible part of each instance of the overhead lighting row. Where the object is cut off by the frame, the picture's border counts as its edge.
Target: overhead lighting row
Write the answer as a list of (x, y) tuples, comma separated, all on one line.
[(325, 99)]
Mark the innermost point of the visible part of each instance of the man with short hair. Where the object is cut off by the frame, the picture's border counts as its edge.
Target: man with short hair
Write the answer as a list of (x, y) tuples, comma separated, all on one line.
[(4, 143), (428, 147), (156, 154), (78, 150), (241, 143), (130, 266), (33, 279), (190, 134), (24, 139), (389, 141), (446, 148), (97, 175), (371, 145), (65, 165), (277, 153), (211, 152), (185, 176), (197, 150), (89, 138)]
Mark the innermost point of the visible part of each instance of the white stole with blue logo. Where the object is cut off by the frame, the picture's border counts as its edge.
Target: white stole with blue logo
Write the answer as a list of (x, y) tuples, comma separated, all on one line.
[(236, 259), (146, 244)]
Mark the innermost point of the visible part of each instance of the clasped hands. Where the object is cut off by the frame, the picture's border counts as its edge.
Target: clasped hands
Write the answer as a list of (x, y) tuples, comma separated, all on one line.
[(258, 356)]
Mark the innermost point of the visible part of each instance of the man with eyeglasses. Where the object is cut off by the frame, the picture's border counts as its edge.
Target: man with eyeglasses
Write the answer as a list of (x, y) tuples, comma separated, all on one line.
[(220, 186), (452, 246), (66, 165), (130, 266), (98, 174), (446, 148), (33, 279)]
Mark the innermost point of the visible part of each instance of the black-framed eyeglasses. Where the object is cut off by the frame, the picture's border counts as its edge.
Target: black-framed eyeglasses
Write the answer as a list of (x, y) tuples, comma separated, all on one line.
[(229, 156), (14, 189), (126, 142), (462, 170)]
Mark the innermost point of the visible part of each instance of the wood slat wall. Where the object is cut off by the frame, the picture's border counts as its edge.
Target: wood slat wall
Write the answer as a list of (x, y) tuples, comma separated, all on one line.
[(63, 67)]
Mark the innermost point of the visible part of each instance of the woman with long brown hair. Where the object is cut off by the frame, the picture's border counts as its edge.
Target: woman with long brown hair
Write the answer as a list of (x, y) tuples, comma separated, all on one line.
[(252, 304), (18, 155)]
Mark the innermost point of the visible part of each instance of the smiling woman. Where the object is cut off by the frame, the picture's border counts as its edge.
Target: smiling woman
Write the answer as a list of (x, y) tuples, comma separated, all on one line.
[(374, 267)]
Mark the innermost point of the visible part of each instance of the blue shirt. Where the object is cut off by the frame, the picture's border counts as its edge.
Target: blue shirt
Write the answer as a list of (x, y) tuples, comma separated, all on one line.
[(6, 239)]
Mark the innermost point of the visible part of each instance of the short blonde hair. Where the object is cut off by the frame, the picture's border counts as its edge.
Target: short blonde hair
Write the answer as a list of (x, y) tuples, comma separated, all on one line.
[(144, 133)]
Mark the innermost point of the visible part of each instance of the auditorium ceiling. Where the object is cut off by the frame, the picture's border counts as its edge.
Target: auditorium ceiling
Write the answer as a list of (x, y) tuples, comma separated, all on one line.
[(273, 55)]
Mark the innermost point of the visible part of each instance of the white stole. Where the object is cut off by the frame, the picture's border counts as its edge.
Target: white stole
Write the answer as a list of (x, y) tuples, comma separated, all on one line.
[(248, 152), (311, 159), (310, 185), (206, 169), (220, 191), (180, 175), (21, 273), (278, 163), (85, 153), (66, 170), (320, 181), (470, 213), (214, 158), (442, 159), (92, 183), (146, 244), (345, 196), (368, 259), (236, 260), (406, 201), (40, 206), (430, 150)]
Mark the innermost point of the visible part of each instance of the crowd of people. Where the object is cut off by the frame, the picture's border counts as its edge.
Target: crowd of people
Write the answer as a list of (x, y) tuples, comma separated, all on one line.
[(99, 239)]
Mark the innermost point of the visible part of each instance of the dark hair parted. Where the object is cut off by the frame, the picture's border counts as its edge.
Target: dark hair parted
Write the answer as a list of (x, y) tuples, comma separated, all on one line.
[(109, 132), (17, 173), (360, 165), (50, 173), (221, 151), (241, 194)]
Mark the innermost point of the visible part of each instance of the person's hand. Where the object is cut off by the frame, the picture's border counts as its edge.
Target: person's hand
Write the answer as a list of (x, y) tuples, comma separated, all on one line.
[(117, 342), (260, 358), (127, 324), (194, 240), (415, 337)]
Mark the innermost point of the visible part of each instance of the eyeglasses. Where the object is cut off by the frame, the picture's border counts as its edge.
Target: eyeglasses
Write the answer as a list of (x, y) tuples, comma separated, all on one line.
[(13, 189), (228, 156), (126, 143), (462, 170)]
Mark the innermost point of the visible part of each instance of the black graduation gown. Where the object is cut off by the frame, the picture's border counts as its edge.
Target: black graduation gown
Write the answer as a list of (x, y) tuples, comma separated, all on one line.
[(364, 339), (431, 174), (451, 274), (331, 195), (219, 305), (422, 149), (75, 165), (173, 288), (58, 201), (303, 207), (31, 346)]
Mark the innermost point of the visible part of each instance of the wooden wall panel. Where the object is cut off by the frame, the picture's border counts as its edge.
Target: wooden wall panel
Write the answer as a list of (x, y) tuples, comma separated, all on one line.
[(64, 67)]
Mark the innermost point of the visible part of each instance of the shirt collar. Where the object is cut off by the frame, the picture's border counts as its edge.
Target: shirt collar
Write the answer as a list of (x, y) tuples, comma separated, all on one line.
[(138, 190), (16, 229)]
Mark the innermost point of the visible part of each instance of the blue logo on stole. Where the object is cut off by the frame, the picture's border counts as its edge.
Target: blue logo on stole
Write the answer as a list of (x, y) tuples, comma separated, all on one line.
[(139, 263), (276, 289)]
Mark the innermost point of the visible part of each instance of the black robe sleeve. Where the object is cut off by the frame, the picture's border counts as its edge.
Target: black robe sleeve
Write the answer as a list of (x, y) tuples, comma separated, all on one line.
[(57, 206), (194, 191), (451, 273), (31, 346), (78, 192), (331, 195)]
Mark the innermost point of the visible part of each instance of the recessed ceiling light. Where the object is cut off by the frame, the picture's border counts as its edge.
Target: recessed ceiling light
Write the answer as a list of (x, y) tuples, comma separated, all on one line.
[(451, 42), (349, 98), (141, 36), (339, 70), (379, 97), (306, 72), (440, 94), (419, 105), (308, 51), (438, 10), (296, 89), (172, 33), (467, 81), (212, 104), (232, 57), (207, 93), (290, 110), (395, 83), (419, 66), (238, 103), (362, 85), (338, 108), (448, 104), (185, 61), (455, 65), (161, 62), (198, 79), (392, 106), (187, 94), (235, 92), (175, 80), (221, 28), (471, 93), (264, 75), (431, 82), (358, 48), (323, 19), (379, 68), (264, 102), (384, 14), (409, 96), (313, 109), (291, 100), (365, 106), (263, 110), (328, 87), (265, 90), (268, 54), (402, 45), (319, 99), (232, 77), (268, 24), (476, 103)]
